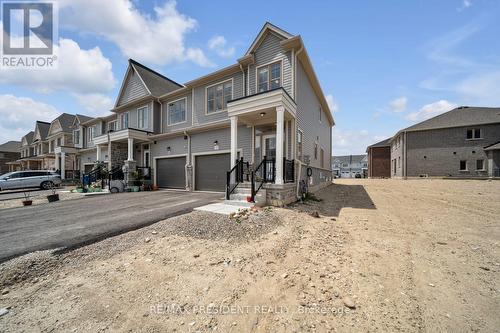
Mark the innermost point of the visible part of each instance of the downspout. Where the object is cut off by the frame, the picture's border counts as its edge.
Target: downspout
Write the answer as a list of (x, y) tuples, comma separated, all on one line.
[(244, 85), (299, 175), (405, 158), (188, 167)]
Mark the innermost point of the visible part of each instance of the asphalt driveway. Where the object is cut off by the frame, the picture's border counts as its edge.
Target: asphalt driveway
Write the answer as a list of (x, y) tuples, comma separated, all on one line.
[(73, 223)]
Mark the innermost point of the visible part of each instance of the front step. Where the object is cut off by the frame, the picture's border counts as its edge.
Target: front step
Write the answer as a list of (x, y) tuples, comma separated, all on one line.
[(239, 203)]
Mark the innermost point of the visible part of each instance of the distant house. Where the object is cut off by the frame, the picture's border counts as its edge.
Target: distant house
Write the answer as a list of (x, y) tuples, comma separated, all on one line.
[(463, 142), (349, 166), (379, 159), (9, 153)]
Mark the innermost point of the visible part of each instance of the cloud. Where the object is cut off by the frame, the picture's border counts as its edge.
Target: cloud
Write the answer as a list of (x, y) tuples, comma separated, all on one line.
[(431, 110), (398, 105), (95, 104), (353, 142), (334, 107), (219, 45), (158, 39), (79, 71), (465, 4), (17, 115)]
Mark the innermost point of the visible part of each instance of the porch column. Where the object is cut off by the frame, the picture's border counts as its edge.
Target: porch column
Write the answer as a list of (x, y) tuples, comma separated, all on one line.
[(234, 140), (280, 120), (109, 156), (56, 162), (294, 138), (130, 149), (63, 165), (98, 157)]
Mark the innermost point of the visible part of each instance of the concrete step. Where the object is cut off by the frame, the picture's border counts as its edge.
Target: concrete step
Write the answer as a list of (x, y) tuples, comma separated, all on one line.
[(240, 196), (239, 203)]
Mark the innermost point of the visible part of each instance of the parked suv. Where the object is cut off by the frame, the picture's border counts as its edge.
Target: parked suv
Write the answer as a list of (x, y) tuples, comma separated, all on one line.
[(31, 178)]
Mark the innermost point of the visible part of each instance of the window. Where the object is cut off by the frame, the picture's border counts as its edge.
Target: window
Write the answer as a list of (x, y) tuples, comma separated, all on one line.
[(399, 162), (112, 126), (463, 165), (322, 158), (177, 112), (315, 150), (76, 137), (143, 117), (320, 111), (91, 133), (58, 142), (300, 140), (269, 77), (218, 95), (480, 165), (345, 165), (474, 133), (124, 120)]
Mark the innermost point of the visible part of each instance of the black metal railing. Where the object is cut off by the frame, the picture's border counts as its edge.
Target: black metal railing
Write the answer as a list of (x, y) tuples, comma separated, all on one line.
[(144, 172), (116, 174), (92, 177), (237, 175), (265, 172), (288, 170)]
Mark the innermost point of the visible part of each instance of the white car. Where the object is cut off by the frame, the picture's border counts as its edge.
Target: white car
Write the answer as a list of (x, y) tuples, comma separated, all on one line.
[(30, 178)]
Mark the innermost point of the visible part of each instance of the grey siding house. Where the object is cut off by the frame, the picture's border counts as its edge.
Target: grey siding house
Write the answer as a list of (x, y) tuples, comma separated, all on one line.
[(463, 142), (265, 109), (350, 166)]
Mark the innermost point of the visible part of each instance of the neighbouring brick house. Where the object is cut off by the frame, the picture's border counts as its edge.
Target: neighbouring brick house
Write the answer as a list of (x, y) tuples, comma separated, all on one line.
[(379, 159), (463, 142), (9, 153)]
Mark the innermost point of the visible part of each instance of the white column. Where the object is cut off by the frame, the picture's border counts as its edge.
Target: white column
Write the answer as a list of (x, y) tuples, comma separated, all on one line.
[(130, 149), (294, 138), (280, 120), (98, 155), (109, 156), (234, 140), (57, 165), (63, 165)]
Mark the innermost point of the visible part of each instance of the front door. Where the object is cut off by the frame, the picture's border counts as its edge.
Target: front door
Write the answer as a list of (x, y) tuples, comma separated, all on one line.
[(146, 158), (269, 149)]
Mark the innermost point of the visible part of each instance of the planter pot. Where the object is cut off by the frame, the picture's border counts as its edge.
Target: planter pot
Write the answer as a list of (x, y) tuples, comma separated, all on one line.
[(27, 202), (53, 197), (79, 190), (156, 187), (135, 188)]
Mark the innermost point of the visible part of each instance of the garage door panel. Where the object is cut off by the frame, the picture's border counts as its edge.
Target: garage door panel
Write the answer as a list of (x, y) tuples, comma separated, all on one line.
[(171, 172), (211, 172)]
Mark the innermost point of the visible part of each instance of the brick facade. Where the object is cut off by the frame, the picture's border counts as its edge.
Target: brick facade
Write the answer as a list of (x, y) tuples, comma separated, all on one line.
[(379, 162)]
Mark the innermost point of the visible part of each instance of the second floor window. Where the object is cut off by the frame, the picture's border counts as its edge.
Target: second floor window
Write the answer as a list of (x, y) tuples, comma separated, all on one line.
[(315, 150), (76, 137), (177, 112), (269, 77), (218, 96), (112, 126), (143, 117), (473, 133), (91, 132), (59, 142), (124, 120)]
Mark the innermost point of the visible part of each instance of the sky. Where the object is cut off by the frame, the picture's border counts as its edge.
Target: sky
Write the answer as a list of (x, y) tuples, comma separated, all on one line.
[(382, 65)]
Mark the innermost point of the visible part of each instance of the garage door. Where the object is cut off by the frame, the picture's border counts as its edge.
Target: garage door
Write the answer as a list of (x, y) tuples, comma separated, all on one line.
[(211, 172), (171, 172)]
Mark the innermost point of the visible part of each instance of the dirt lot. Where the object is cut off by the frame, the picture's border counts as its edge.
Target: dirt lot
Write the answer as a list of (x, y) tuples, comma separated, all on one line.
[(407, 256)]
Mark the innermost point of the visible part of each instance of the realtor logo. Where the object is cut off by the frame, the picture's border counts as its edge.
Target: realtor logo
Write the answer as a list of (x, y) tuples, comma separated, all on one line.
[(29, 33)]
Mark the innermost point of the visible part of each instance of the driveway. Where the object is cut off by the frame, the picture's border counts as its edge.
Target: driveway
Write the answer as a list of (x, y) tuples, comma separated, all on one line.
[(73, 223), (19, 194)]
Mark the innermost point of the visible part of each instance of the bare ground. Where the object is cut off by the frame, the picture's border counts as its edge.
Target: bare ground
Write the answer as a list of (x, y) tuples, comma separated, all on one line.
[(412, 256)]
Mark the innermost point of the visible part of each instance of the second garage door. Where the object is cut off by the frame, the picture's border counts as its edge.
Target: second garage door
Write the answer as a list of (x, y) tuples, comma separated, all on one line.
[(171, 172), (211, 172)]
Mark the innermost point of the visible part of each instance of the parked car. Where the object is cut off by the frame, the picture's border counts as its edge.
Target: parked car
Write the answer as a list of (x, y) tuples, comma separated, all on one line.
[(28, 179)]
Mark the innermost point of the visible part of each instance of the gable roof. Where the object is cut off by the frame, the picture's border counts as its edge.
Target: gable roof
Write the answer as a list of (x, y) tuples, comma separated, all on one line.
[(28, 137), (155, 82), (495, 146), (10, 146), (43, 129), (82, 118), (459, 117), (65, 120), (268, 27), (383, 143), (349, 158)]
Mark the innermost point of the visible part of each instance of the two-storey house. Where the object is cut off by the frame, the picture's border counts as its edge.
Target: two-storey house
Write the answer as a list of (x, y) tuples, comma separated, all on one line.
[(350, 166), (266, 109), (463, 142)]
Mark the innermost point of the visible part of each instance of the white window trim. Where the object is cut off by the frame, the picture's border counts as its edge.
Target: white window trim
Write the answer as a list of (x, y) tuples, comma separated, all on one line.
[(76, 136), (267, 64), (121, 119), (185, 115), (213, 85), (473, 133), (484, 164), (146, 126), (112, 122)]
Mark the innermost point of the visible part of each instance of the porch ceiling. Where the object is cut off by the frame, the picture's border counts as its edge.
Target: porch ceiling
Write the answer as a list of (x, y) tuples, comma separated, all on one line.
[(261, 117), (123, 135)]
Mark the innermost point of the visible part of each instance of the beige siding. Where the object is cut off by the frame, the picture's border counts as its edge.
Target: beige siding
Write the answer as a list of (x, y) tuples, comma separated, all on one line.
[(133, 89)]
